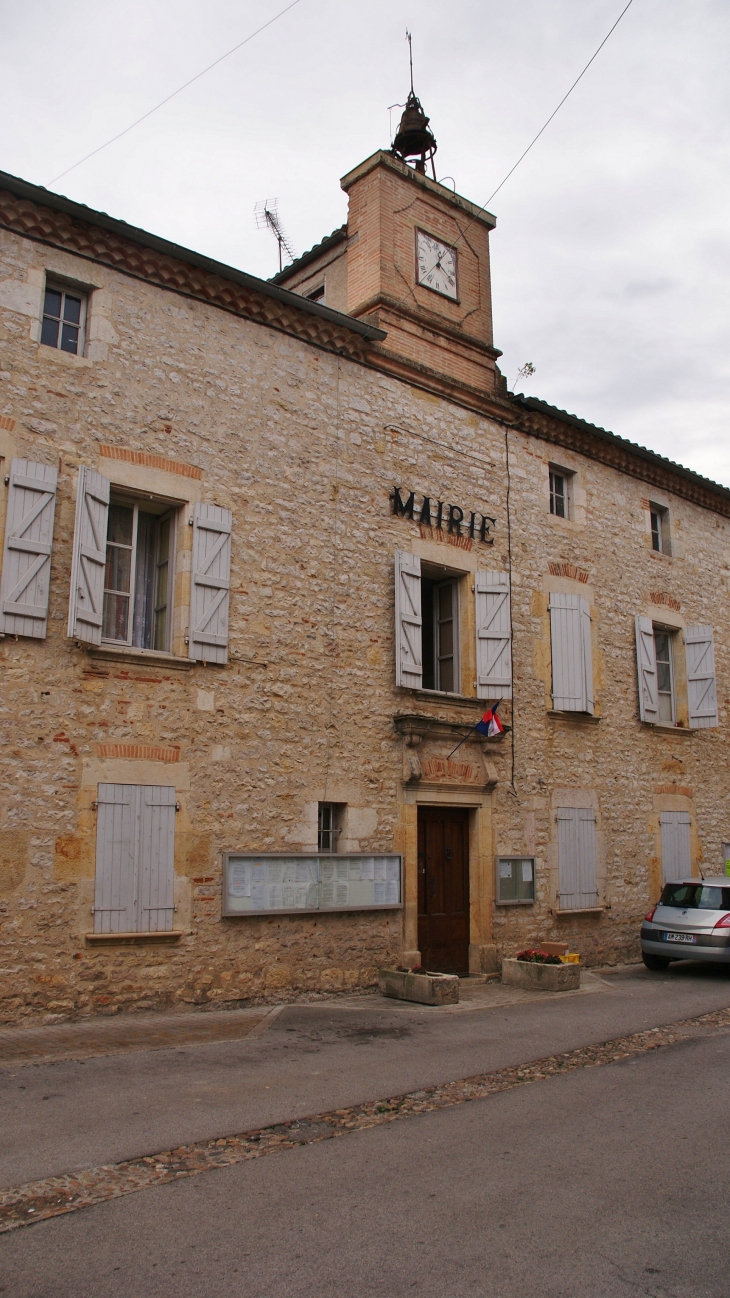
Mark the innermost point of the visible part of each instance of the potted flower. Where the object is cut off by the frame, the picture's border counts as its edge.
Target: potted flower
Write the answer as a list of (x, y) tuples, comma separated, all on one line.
[(534, 969), (420, 985)]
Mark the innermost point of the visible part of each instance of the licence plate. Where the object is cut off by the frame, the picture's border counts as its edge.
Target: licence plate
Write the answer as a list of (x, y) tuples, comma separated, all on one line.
[(679, 937)]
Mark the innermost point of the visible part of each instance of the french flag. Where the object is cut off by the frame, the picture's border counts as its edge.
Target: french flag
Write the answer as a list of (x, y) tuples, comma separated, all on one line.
[(490, 724)]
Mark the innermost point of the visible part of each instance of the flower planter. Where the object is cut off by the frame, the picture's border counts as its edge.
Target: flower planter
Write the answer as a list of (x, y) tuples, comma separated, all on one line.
[(425, 989), (540, 977)]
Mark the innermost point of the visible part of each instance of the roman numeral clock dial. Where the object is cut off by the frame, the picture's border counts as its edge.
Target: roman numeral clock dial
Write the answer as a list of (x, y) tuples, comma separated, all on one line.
[(436, 265)]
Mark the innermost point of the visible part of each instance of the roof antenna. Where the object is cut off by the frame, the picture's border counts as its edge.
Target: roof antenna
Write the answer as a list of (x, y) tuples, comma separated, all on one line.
[(267, 218)]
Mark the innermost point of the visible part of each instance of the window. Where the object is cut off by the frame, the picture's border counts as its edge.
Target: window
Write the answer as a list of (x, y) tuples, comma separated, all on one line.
[(137, 578), (329, 825), (317, 295), (515, 880), (664, 677), (659, 519), (577, 887), (560, 492), (135, 855), (64, 318), (440, 611), (676, 852), (571, 652)]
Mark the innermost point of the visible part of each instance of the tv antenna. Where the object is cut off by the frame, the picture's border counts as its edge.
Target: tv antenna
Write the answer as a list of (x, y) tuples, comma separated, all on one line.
[(267, 218)]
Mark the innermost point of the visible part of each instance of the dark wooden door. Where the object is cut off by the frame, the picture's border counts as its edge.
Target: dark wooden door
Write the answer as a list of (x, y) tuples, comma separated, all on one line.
[(443, 889)]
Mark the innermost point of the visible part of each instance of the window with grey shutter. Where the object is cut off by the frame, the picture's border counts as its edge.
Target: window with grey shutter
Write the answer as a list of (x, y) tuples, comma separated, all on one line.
[(27, 551), (494, 650), (647, 670), (572, 657), (676, 852), (86, 601), (408, 621), (577, 886), (211, 583), (701, 684), (135, 858)]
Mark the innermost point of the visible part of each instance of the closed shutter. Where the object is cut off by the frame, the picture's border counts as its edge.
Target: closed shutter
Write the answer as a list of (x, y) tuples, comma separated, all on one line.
[(494, 649), (572, 658), (135, 855), (577, 886), (210, 593), (408, 621), (27, 553), (86, 602), (156, 858), (646, 666), (701, 685), (676, 854)]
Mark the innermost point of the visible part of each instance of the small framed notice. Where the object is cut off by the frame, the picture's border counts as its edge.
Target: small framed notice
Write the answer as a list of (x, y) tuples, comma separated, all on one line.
[(515, 880), (276, 884)]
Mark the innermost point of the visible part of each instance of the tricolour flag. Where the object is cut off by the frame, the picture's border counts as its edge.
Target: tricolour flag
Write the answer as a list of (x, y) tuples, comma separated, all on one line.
[(490, 724)]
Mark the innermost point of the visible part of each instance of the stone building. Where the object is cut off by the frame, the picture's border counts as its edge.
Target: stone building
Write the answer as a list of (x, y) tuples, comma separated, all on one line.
[(271, 551)]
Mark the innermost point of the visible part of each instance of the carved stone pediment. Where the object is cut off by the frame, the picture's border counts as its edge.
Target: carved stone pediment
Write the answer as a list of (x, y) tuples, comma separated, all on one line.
[(427, 743)]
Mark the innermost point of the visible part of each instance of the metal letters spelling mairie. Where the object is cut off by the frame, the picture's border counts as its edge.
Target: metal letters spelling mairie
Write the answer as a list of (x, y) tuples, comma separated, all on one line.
[(448, 518)]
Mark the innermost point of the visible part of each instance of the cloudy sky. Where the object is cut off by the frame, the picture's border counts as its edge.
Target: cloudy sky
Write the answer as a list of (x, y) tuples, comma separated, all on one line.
[(611, 258)]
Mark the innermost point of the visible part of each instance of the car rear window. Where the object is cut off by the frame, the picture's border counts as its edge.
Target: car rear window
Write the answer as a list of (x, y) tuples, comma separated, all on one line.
[(697, 896)]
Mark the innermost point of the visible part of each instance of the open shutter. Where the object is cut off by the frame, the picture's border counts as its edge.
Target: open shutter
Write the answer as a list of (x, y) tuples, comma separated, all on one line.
[(156, 867), (27, 553), (676, 853), (408, 621), (646, 665), (572, 659), (494, 649), (116, 841), (701, 685), (86, 603), (577, 887), (210, 593)]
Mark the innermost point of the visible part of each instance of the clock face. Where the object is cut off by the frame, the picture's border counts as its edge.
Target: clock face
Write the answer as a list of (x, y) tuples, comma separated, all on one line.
[(436, 263)]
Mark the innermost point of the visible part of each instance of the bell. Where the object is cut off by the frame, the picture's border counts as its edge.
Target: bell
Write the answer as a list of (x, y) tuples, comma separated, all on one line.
[(414, 140)]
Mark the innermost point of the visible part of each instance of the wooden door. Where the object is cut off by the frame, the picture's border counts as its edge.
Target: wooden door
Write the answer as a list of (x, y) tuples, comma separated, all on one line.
[(443, 889)]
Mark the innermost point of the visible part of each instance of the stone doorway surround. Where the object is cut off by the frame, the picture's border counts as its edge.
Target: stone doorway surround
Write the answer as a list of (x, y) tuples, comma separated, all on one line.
[(430, 778)]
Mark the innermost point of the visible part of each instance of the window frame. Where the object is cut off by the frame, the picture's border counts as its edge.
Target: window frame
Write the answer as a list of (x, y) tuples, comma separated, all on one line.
[(318, 295), (436, 584), (566, 475), (671, 635), (56, 285), (661, 532), (333, 812), (169, 513), (514, 901)]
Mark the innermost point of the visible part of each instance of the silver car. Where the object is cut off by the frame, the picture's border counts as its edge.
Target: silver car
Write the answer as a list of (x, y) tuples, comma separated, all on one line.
[(690, 922)]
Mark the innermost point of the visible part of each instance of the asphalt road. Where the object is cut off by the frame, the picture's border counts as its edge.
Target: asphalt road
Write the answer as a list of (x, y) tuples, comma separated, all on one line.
[(68, 1115), (605, 1182)]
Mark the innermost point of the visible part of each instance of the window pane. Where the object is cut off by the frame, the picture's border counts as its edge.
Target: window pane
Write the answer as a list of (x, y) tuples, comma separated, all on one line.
[(116, 617), (52, 304), (118, 574), (72, 310), (446, 675), (49, 332), (69, 339), (121, 520)]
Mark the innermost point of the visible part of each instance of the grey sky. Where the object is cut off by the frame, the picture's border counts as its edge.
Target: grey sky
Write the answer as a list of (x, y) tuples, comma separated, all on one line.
[(611, 258)]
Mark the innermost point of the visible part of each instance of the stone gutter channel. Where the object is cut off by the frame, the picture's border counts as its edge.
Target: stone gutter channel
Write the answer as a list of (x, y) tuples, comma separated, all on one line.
[(38, 1200)]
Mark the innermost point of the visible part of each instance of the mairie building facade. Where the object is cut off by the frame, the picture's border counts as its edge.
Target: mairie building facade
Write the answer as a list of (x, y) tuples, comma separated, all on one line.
[(271, 551)]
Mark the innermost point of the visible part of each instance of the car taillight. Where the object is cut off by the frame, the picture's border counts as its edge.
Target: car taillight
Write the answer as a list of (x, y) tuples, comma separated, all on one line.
[(724, 922), (650, 913)]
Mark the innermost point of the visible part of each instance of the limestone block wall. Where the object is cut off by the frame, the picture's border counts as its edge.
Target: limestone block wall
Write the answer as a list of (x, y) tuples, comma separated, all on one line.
[(305, 447)]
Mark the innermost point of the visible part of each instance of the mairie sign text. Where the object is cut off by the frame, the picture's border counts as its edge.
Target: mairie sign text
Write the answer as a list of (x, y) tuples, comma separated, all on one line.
[(447, 518)]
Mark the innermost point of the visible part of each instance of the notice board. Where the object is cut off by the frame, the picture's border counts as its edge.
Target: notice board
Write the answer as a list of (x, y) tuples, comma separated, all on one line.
[(272, 884)]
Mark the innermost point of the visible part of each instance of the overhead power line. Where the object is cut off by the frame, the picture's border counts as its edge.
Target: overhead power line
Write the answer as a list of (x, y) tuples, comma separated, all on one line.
[(179, 91)]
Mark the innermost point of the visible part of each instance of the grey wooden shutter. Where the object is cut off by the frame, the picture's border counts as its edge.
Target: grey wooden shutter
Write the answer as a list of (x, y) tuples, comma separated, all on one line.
[(116, 838), (701, 684), (135, 858), (27, 552), (211, 585), (572, 658), (577, 886), (646, 666), (156, 867), (86, 603), (408, 621), (676, 853), (494, 650)]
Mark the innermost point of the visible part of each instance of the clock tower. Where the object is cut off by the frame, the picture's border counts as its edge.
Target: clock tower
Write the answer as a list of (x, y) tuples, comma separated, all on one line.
[(413, 259)]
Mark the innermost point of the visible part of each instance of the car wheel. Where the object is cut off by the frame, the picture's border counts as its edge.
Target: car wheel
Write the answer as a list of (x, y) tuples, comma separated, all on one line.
[(655, 962)]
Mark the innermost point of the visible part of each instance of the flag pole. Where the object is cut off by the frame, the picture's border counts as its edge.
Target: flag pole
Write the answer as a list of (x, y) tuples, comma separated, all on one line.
[(461, 741)]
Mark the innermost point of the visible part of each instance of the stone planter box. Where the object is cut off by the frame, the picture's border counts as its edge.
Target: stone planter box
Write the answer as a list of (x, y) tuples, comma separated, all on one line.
[(540, 977), (425, 989)]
